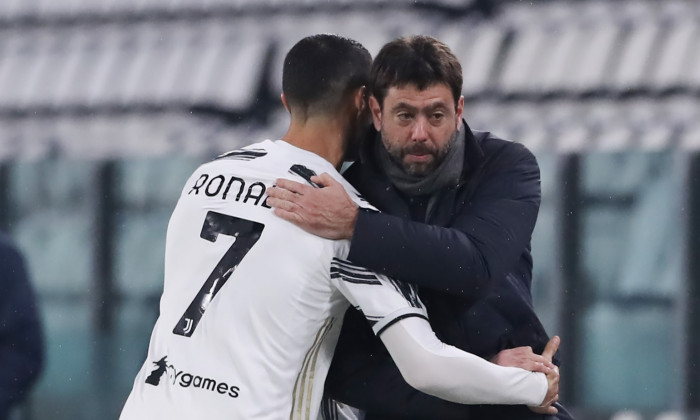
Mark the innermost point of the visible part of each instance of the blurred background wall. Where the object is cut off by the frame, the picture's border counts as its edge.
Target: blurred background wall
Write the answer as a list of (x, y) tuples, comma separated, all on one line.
[(106, 106)]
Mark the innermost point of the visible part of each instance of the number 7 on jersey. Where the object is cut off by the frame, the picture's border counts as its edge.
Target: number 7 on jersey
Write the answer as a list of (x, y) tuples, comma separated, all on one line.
[(247, 234)]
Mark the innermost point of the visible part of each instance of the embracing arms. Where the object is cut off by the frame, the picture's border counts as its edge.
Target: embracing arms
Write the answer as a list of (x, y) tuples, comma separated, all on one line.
[(446, 372), (486, 236)]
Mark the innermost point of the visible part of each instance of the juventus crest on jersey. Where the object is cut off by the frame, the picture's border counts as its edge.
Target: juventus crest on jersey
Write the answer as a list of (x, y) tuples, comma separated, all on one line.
[(252, 305)]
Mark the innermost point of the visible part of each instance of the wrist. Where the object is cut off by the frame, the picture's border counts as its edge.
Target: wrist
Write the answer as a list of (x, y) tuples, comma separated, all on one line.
[(350, 228), (544, 381)]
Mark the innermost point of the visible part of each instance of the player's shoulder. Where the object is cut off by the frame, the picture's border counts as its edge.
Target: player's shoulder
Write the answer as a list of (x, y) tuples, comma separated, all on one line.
[(257, 160), (256, 152), (358, 199), (305, 173), (355, 195), (249, 152)]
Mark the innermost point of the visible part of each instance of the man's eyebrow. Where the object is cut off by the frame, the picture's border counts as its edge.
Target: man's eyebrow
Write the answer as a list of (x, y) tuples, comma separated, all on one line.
[(403, 106), (436, 106)]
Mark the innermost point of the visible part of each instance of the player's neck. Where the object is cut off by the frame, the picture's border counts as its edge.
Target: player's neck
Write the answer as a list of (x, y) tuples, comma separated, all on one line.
[(322, 136)]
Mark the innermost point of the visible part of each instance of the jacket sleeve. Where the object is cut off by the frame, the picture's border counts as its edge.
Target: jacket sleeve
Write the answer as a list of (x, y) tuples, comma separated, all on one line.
[(21, 339), (483, 241)]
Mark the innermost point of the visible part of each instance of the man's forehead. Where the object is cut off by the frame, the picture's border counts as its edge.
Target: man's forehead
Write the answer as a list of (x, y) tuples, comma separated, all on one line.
[(410, 94)]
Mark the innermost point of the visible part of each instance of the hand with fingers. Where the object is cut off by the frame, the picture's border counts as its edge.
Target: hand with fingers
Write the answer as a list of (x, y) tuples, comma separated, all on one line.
[(525, 358), (552, 379), (328, 212)]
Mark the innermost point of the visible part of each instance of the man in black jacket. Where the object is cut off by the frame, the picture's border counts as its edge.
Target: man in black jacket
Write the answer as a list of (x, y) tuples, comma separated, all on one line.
[(21, 338), (457, 212)]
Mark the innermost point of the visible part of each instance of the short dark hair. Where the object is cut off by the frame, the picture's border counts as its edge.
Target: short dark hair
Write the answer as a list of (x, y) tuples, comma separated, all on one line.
[(419, 60), (320, 70)]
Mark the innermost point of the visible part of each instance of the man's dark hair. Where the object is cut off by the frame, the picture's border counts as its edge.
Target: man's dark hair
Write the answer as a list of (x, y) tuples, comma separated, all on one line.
[(320, 70), (419, 60)]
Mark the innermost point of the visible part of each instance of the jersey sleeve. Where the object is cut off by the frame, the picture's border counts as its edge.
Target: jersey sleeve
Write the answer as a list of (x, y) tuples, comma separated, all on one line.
[(382, 300), (437, 369)]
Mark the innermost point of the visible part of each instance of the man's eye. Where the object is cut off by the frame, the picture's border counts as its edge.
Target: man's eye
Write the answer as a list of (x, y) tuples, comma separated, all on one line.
[(438, 116), (404, 116)]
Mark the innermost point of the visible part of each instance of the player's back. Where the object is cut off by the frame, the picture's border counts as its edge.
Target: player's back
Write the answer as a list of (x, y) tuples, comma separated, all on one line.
[(248, 317)]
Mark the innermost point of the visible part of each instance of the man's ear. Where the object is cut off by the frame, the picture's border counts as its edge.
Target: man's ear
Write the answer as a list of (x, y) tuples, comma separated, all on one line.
[(284, 102), (376, 112), (460, 111), (360, 102)]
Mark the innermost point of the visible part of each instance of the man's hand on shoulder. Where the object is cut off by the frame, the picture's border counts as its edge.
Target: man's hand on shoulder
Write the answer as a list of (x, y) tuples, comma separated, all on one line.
[(328, 212)]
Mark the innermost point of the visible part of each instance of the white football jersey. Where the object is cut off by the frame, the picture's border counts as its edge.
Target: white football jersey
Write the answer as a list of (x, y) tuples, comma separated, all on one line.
[(252, 305)]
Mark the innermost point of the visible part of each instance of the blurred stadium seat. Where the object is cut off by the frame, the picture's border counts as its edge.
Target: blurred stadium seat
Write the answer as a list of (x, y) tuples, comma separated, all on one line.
[(100, 61)]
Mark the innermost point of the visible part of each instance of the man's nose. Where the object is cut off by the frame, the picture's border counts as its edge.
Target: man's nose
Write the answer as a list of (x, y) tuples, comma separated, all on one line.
[(419, 131)]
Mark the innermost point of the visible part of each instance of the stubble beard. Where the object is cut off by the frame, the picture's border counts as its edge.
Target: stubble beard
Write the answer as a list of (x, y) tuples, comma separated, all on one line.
[(418, 169)]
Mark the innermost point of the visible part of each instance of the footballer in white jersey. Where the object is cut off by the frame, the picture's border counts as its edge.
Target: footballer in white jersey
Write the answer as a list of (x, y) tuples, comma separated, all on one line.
[(252, 305)]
